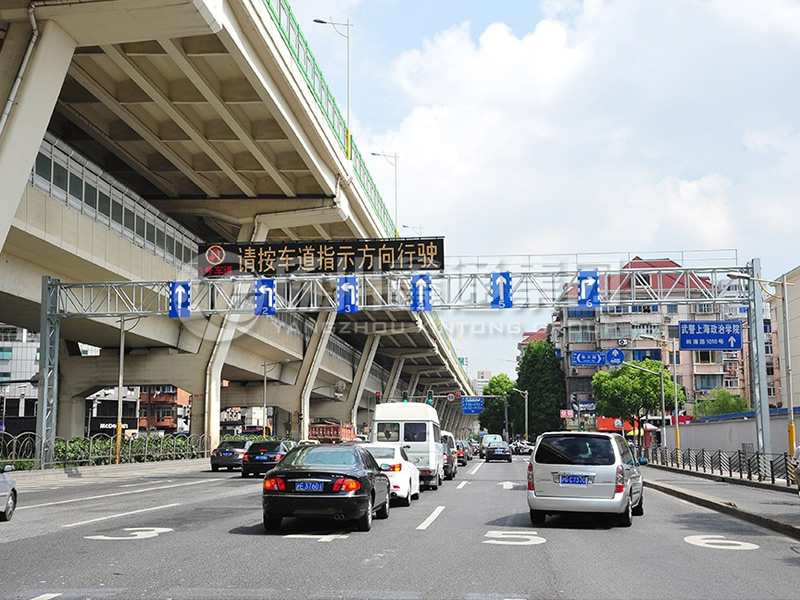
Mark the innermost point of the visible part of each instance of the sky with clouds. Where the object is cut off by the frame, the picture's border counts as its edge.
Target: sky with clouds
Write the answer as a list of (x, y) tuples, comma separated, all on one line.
[(568, 126)]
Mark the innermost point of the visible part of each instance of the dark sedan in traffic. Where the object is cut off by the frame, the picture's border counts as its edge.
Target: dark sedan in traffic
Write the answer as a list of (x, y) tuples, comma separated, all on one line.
[(498, 451), (339, 481), (262, 456), (229, 454)]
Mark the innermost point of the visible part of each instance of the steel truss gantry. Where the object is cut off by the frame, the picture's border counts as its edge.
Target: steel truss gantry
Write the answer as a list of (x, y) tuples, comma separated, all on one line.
[(391, 291)]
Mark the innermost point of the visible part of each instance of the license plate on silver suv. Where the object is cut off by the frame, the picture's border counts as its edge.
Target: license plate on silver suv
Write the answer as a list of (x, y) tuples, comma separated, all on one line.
[(574, 480)]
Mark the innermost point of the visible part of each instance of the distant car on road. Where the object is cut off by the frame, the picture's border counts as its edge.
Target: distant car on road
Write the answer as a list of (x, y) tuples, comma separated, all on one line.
[(8, 494), (402, 473), (340, 481), (592, 472), (497, 451), (229, 454), (261, 456), (450, 455), (463, 451), (487, 439)]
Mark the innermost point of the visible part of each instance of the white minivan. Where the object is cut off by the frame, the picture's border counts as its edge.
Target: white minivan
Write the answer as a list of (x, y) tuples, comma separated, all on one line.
[(416, 427)]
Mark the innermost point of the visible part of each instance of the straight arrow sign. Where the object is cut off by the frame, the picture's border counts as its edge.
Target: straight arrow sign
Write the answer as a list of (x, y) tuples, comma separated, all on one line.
[(420, 293)]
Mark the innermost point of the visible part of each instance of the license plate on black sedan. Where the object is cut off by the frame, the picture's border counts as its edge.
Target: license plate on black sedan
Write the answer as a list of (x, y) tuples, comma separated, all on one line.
[(308, 486), (227, 454), (574, 480)]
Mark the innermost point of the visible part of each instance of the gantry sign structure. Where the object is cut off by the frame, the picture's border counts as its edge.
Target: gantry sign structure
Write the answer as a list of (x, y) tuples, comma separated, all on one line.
[(398, 291)]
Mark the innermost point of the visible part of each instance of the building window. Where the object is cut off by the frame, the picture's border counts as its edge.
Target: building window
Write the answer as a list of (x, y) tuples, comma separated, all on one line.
[(615, 331), (5, 376), (650, 329), (673, 332), (580, 313), (648, 308), (767, 326), (6, 353), (672, 309), (730, 382), (704, 383), (675, 358), (705, 357), (582, 333), (615, 310), (771, 390), (768, 347), (652, 353), (770, 369), (705, 308)]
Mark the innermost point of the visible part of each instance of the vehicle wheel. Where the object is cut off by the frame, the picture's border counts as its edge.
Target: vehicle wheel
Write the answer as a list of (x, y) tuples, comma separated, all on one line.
[(245, 473), (272, 522), (365, 522), (638, 510), (214, 468), (383, 511), (230, 468), (416, 496), (626, 518), (509, 459), (487, 459), (407, 500), (8, 511), (537, 517)]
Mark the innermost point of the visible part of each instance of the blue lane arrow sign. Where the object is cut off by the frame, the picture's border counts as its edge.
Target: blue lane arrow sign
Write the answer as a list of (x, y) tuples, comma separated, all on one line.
[(179, 297), (264, 297), (588, 289), (347, 295), (615, 357), (501, 290), (420, 293)]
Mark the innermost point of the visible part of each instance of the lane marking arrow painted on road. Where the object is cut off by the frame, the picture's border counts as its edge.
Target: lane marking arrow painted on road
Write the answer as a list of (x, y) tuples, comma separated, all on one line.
[(507, 485)]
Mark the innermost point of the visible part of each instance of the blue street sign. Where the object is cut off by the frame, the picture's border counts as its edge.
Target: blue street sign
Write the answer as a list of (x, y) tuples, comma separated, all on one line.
[(501, 290), (179, 296), (614, 357), (347, 295), (420, 293), (588, 358), (264, 297), (588, 289), (472, 405), (710, 335)]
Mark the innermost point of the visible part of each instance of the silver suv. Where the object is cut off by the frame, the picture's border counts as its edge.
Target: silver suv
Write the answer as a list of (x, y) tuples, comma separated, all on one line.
[(591, 472)]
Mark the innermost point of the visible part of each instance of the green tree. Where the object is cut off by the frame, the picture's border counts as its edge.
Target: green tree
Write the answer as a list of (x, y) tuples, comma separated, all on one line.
[(631, 394), (493, 416), (540, 374), (719, 402)]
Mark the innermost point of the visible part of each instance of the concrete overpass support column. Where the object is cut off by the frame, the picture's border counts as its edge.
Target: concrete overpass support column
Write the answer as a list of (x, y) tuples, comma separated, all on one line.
[(37, 93), (213, 382), (362, 375), (310, 367), (412, 385), (394, 377)]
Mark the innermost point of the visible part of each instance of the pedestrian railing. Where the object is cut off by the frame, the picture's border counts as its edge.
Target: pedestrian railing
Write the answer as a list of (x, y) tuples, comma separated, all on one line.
[(21, 450), (758, 466)]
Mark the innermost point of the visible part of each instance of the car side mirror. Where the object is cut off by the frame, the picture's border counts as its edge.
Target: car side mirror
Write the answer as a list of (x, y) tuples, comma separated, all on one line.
[(386, 467), (642, 460), (8, 468)]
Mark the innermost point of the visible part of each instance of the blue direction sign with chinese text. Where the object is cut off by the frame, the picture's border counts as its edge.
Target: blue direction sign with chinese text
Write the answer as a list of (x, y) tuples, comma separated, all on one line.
[(472, 405), (501, 290), (264, 297), (420, 293), (710, 335), (615, 357), (588, 358), (588, 289), (179, 296), (347, 295)]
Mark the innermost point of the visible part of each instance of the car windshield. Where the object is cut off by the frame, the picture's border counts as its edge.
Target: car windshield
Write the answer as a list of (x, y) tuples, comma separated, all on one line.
[(574, 450), (313, 456), (228, 444), (379, 452), (265, 446), (497, 445)]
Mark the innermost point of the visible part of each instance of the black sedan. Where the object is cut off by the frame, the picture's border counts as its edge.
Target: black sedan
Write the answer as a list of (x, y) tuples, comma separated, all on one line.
[(262, 456), (229, 454), (498, 451), (339, 481)]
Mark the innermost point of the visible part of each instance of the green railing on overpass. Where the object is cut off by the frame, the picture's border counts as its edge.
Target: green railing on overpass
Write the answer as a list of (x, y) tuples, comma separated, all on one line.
[(297, 44)]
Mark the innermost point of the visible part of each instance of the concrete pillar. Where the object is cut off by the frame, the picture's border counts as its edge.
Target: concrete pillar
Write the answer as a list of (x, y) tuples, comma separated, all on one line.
[(310, 367), (29, 116), (394, 377), (362, 375), (412, 385), (211, 405)]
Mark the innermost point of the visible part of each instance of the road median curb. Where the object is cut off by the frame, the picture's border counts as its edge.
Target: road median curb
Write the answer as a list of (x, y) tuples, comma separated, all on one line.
[(728, 508), (725, 479), (78, 472)]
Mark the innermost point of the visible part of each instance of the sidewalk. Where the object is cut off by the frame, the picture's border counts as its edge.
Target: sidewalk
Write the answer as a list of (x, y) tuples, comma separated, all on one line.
[(772, 506)]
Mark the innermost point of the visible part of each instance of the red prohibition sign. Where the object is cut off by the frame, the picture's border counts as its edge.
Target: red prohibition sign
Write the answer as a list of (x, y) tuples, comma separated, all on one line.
[(215, 255)]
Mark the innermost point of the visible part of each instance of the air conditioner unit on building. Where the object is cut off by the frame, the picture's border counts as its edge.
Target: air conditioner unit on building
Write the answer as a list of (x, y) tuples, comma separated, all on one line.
[(622, 342)]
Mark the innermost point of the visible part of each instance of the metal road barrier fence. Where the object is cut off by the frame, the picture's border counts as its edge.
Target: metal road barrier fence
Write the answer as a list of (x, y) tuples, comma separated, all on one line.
[(757, 466), (100, 449)]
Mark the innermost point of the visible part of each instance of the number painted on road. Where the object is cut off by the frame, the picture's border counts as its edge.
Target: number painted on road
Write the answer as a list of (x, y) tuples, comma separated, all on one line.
[(136, 533), (718, 542), (514, 538)]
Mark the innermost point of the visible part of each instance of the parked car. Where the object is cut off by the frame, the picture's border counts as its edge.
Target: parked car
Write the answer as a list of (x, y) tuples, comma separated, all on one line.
[(261, 456), (229, 454), (590, 472), (340, 481), (497, 451), (8, 494), (402, 473), (487, 439), (450, 455), (462, 452)]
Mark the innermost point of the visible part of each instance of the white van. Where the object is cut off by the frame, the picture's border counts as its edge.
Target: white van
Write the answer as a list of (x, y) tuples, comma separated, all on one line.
[(416, 427)]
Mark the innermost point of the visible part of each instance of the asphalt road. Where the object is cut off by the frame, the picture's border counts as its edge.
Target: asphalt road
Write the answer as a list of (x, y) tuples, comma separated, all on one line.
[(183, 532)]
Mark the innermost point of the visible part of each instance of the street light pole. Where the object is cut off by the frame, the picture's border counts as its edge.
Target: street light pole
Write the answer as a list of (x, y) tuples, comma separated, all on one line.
[(119, 386), (346, 35), (663, 343), (392, 162), (264, 414), (661, 375), (524, 393)]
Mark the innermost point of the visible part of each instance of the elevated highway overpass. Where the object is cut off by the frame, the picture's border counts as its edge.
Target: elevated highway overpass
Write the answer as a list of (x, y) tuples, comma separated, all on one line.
[(135, 130)]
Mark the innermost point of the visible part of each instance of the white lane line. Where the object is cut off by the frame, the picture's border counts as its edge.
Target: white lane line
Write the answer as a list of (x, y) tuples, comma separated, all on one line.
[(133, 512), (461, 485), (475, 470), (46, 597), (162, 487), (436, 512), (126, 485)]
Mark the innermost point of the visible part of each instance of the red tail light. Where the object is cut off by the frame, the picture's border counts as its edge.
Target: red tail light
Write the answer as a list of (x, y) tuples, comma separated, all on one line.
[(397, 467), (278, 457), (530, 477), (274, 485), (620, 480), (345, 484), (245, 457), (215, 453)]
